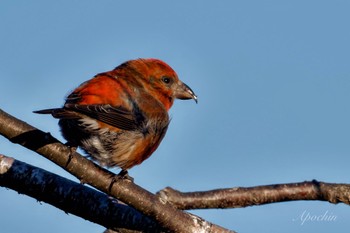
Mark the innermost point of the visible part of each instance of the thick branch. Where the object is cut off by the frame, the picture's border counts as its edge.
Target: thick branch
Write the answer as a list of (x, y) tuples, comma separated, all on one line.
[(43, 143), (72, 197), (242, 197)]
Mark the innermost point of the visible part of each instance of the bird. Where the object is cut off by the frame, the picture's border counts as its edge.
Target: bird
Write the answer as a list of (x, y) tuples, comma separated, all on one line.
[(119, 117)]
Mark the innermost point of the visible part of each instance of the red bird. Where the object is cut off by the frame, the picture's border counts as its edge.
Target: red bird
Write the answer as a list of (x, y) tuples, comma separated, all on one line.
[(119, 117)]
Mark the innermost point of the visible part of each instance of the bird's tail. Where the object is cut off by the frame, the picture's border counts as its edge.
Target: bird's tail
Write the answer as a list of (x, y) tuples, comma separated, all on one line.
[(47, 111), (60, 113)]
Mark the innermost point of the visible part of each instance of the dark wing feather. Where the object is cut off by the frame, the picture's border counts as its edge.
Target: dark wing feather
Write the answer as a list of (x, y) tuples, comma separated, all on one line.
[(114, 116)]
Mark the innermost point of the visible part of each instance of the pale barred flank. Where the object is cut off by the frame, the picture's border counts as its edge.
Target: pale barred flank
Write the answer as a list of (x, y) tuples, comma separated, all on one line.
[(122, 149)]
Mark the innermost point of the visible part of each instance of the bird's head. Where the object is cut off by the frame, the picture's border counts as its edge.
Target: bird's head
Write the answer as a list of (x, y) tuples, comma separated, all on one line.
[(161, 81)]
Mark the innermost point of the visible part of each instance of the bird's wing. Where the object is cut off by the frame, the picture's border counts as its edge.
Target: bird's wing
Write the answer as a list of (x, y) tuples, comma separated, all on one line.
[(115, 116)]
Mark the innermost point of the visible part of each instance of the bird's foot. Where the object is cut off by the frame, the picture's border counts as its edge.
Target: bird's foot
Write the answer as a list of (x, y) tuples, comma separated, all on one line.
[(73, 149), (122, 175)]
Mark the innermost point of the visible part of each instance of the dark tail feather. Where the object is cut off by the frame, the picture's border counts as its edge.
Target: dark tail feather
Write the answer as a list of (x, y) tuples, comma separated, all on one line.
[(60, 113), (47, 111)]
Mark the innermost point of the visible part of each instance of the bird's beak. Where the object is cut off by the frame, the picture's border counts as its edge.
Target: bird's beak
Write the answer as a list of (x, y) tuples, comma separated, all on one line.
[(184, 92)]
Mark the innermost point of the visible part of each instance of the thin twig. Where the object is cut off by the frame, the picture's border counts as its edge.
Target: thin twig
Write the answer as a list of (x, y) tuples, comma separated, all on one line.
[(243, 197)]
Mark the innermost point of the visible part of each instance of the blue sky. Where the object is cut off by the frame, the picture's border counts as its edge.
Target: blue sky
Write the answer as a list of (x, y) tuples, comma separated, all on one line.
[(272, 79)]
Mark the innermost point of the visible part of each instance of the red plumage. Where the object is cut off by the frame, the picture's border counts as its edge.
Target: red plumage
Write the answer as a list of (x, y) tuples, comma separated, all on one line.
[(119, 117)]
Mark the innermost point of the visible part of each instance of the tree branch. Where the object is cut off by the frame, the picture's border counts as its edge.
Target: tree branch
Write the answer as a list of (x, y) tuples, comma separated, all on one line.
[(165, 214), (243, 197), (163, 208), (72, 197)]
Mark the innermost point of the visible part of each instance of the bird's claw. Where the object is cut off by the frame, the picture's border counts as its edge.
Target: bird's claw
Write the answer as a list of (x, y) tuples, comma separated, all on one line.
[(73, 149), (122, 175)]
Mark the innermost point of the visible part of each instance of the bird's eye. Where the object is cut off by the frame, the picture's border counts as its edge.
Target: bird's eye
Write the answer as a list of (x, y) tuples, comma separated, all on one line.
[(166, 80)]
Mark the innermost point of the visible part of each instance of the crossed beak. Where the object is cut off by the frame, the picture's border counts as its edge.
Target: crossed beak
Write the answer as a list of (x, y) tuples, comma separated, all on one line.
[(184, 92)]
